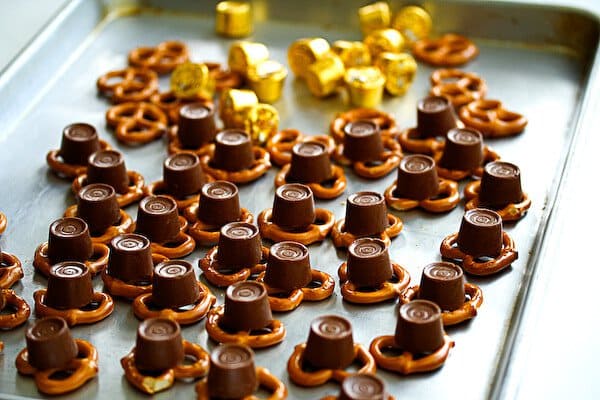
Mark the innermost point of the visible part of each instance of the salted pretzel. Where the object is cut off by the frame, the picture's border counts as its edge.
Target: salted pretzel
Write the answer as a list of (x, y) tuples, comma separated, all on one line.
[(472, 265), (260, 167), (265, 379), (492, 119), (467, 311), (137, 122), (102, 306), (124, 225), (460, 87), (96, 264), (489, 155), (388, 160), (341, 238), (162, 59), (58, 166), (386, 291), (269, 336), (385, 122), (205, 234), (209, 265), (153, 383), (11, 270), (224, 78), (117, 288), (316, 232), (300, 376), (79, 370), (170, 104), (410, 140), (406, 363), (450, 50), (143, 308), (446, 199), (3, 222), (135, 190), (134, 84), (330, 189), (280, 144), (18, 307), (510, 212)]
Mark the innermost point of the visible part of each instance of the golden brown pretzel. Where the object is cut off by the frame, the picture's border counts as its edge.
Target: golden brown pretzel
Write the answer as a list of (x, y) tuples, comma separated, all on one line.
[(323, 190), (134, 84), (385, 121), (170, 104), (405, 363), (163, 58), (388, 290), (265, 380), (3, 222), (11, 270), (316, 232), (224, 78), (137, 122), (135, 191), (152, 383), (160, 187), (61, 168), (510, 212), (341, 238), (117, 288), (96, 264), (205, 234), (489, 155), (175, 145), (81, 369), (125, 225), (410, 140), (446, 199), (209, 265), (492, 119), (272, 334), (460, 87), (388, 160), (316, 378), (75, 316), (280, 144), (260, 167), (18, 307), (179, 247), (450, 50)]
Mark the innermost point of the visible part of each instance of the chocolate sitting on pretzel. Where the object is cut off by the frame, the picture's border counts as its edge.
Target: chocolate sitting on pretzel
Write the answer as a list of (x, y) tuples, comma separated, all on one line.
[(362, 386), (280, 145), (128, 85), (11, 270), (162, 59), (385, 122), (195, 130), (171, 105)]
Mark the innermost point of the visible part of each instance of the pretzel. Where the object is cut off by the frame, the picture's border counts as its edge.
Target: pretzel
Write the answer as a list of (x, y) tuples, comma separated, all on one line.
[(224, 78), (492, 119), (18, 307), (63, 169), (162, 59), (280, 144), (3, 222), (170, 104), (510, 212), (385, 122), (135, 84), (489, 155), (135, 191), (386, 291), (450, 50), (467, 311), (265, 379), (446, 199), (175, 145), (316, 378), (269, 336), (410, 140), (96, 264), (102, 304), (137, 122), (153, 383), (143, 308), (160, 187), (460, 87), (450, 250), (260, 167), (341, 238), (329, 189), (117, 288), (11, 270), (316, 232), (79, 370), (124, 225), (205, 234), (406, 363), (292, 299), (210, 267), (388, 160)]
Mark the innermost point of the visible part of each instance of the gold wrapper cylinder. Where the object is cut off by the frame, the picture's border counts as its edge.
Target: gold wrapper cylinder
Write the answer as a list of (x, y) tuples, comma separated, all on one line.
[(374, 16), (413, 23), (325, 76), (353, 54), (304, 52), (399, 70), (266, 79), (233, 104), (261, 121), (365, 86), (244, 55), (233, 19), (383, 40), (190, 81)]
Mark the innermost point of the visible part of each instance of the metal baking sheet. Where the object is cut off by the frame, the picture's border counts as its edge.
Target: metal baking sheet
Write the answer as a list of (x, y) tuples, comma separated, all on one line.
[(536, 59)]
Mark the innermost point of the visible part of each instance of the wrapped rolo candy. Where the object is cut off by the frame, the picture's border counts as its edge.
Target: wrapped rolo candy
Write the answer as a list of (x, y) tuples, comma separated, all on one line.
[(233, 19), (368, 262), (239, 246), (183, 174), (362, 141), (443, 283), (435, 117), (50, 344), (463, 150), (108, 166), (157, 219), (69, 239), (196, 125), (293, 207), (97, 205), (500, 185), (288, 266), (174, 284), (419, 329), (69, 286), (246, 307), (219, 203), (304, 52), (130, 259), (159, 345), (374, 16), (366, 214), (330, 344), (79, 141), (417, 178), (233, 151), (232, 374), (480, 233), (310, 163)]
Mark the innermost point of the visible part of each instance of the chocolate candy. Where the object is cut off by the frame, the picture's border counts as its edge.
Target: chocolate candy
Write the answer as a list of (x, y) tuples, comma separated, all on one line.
[(233, 151), (79, 141), (239, 246), (419, 329), (435, 117), (362, 141), (130, 259), (108, 166), (368, 262), (444, 284), (363, 386), (366, 214), (500, 185), (219, 203), (330, 344), (463, 150), (288, 266), (69, 240), (196, 125), (174, 284), (246, 307), (293, 207), (158, 345), (69, 286), (310, 163), (480, 233), (50, 344), (183, 174), (232, 374), (97, 206), (157, 219), (2, 299), (417, 178)]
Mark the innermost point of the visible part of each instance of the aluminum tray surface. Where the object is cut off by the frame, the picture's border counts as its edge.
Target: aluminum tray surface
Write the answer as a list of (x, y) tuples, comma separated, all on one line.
[(545, 80)]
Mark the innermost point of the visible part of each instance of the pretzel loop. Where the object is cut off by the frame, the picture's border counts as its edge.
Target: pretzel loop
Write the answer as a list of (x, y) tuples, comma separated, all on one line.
[(224, 78), (104, 306), (11, 270), (388, 160), (117, 288), (456, 175), (3, 222), (20, 313), (170, 104), (458, 86), (179, 247), (265, 380), (96, 264), (410, 140), (510, 212), (175, 146), (210, 267), (160, 187), (137, 122), (260, 167), (316, 232), (450, 50), (162, 59), (341, 238), (387, 291), (135, 190), (492, 119), (63, 169), (385, 122), (330, 189), (205, 234), (124, 225), (447, 198), (133, 84), (280, 145)]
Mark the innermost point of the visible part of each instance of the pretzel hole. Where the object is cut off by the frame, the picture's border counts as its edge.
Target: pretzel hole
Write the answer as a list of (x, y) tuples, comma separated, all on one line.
[(508, 117), (281, 295), (431, 47), (314, 284), (166, 60), (8, 309), (93, 305), (394, 351), (450, 79), (127, 113), (148, 116), (451, 90), (61, 375), (474, 86), (168, 99), (130, 89), (114, 81)]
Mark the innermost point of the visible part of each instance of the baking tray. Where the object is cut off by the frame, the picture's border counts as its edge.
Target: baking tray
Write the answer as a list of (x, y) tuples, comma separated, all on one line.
[(537, 59)]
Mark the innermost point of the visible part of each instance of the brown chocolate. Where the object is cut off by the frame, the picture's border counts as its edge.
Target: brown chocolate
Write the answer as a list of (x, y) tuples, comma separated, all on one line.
[(219, 203), (79, 141), (417, 178), (174, 284), (108, 166), (419, 329), (232, 374), (330, 343), (157, 219), (500, 185), (2, 300), (246, 307), (158, 345), (480, 233), (50, 344), (97, 205), (310, 163), (463, 150), (183, 174), (69, 286), (444, 284), (363, 386), (366, 214), (233, 151), (293, 207), (196, 125), (362, 141), (69, 240), (435, 117), (130, 259), (368, 262), (288, 266), (239, 246)]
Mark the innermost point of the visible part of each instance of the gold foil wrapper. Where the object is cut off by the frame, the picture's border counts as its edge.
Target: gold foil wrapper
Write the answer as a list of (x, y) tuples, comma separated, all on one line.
[(353, 54), (365, 86), (244, 55), (261, 121), (374, 16), (413, 22), (304, 52), (190, 81), (233, 104), (325, 76), (384, 40), (399, 70), (233, 19), (267, 79)]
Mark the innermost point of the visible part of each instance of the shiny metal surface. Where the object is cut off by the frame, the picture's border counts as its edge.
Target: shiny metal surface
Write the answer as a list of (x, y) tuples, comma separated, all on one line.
[(528, 67)]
